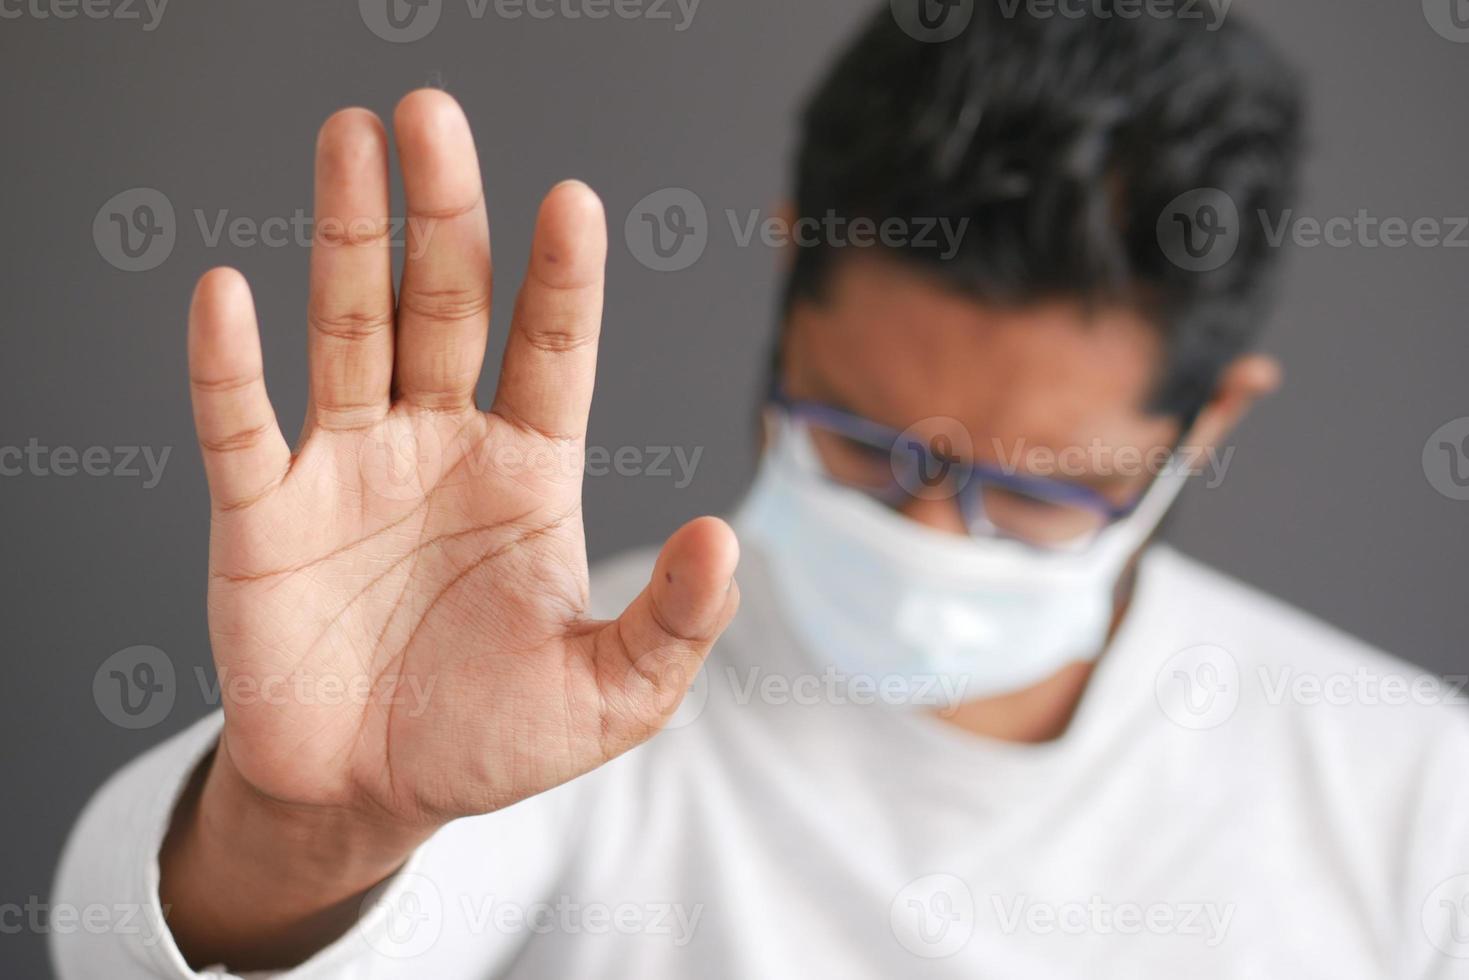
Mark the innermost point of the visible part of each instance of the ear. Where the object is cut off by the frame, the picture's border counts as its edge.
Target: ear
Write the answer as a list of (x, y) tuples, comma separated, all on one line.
[(785, 213), (1244, 381)]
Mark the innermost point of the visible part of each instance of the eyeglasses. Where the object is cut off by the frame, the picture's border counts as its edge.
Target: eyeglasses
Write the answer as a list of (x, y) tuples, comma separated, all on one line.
[(897, 467)]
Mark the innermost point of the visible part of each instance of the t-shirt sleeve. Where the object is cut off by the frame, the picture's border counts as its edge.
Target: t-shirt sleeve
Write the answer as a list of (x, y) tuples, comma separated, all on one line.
[(434, 917)]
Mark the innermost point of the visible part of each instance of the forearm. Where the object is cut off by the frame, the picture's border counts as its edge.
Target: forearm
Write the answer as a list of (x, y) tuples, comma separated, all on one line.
[(256, 884), (220, 878)]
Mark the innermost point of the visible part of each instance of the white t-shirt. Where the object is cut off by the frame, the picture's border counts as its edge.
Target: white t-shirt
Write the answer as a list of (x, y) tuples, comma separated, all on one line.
[(1244, 792)]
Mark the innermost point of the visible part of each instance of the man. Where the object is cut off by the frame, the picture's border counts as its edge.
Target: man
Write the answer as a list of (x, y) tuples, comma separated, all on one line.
[(968, 722)]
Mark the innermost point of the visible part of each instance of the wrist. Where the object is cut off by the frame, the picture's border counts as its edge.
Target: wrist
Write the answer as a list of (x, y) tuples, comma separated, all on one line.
[(320, 847), (255, 882)]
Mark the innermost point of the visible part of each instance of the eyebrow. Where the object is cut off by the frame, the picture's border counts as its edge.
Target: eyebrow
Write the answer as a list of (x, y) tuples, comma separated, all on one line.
[(824, 393)]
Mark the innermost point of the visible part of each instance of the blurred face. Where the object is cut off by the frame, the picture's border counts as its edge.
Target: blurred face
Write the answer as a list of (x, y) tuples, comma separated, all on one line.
[(1044, 390)]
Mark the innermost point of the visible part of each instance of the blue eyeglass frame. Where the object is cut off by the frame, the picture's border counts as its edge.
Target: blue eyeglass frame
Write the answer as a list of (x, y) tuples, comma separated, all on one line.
[(969, 492)]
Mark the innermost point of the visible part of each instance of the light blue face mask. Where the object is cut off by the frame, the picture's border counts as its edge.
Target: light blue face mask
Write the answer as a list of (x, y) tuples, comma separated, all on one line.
[(875, 594)]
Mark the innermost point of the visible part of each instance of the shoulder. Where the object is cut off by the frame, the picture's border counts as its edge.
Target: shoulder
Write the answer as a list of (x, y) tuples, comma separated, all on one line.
[(1265, 632), (1311, 689), (1320, 746)]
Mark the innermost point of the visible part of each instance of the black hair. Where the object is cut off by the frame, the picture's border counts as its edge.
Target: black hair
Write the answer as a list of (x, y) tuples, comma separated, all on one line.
[(1062, 138)]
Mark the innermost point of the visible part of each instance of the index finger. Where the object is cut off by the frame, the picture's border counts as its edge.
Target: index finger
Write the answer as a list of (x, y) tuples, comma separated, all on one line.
[(550, 362)]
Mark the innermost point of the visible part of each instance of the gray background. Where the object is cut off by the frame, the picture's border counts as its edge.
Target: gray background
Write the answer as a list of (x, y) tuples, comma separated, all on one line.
[(1326, 502)]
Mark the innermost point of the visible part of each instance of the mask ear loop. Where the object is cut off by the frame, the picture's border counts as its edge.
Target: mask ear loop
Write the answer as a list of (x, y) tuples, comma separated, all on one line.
[(1187, 421), (1155, 496), (1161, 493), (971, 510)]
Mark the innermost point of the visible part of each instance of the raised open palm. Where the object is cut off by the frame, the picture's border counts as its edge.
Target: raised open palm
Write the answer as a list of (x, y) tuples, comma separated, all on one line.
[(398, 609)]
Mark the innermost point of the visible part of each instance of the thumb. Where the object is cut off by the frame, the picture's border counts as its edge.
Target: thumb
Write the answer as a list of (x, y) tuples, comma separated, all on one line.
[(661, 639)]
